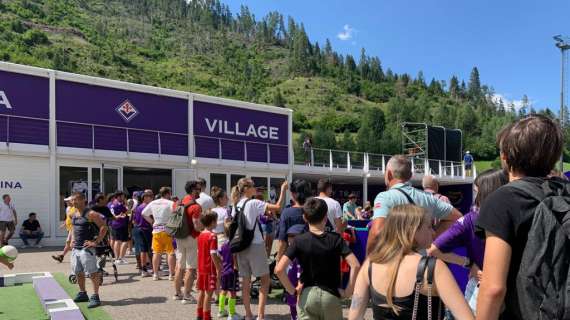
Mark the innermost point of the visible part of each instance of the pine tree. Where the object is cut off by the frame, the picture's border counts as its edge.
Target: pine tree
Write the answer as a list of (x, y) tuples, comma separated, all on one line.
[(278, 99), (474, 89), (363, 65), (454, 88)]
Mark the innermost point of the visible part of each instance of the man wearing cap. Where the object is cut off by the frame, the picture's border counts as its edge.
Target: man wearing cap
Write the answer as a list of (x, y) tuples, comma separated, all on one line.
[(468, 161), (349, 208), (400, 191)]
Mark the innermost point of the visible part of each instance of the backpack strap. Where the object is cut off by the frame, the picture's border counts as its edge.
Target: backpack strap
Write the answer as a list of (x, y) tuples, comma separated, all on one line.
[(406, 195)]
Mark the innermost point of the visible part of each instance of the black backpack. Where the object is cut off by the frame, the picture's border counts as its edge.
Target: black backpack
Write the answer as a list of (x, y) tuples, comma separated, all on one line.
[(543, 280), (240, 236)]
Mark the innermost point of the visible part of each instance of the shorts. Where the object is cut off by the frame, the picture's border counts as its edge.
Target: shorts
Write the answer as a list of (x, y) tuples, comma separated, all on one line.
[(253, 261), (142, 239), (162, 243), (316, 303), (7, 225), (468, 166), (267, 228), (84, 261), (206, 281), (120, 234), (187, 253), (230, 282)]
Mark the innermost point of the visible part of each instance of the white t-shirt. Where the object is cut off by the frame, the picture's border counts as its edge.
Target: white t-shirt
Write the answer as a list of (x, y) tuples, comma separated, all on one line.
[(334, 210), (6, 211), (206, 202), (253, 210), (222, 213), (160, 210)]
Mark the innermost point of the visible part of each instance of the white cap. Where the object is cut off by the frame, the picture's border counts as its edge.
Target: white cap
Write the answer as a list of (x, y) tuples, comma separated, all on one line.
[(467, 151)]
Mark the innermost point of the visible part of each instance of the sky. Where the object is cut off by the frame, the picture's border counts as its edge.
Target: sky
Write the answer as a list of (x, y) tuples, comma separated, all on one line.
[(509, 41)]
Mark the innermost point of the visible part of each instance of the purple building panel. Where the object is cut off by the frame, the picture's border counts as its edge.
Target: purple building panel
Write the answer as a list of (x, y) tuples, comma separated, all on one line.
[(174, 144), (236, 126), (110, 139), (256, 152), (278, 154), (143, 141), (207, 147), (233, 150), (24, 95), (74, 135)]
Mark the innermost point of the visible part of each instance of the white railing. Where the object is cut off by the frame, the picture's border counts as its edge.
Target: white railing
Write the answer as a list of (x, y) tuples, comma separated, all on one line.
[(370, 162)]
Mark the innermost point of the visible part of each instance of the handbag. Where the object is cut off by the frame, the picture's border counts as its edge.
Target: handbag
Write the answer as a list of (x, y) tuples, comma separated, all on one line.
[(429, 263)]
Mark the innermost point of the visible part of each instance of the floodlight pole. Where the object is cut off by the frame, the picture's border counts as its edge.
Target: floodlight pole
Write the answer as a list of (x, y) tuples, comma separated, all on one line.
[(563, 44)]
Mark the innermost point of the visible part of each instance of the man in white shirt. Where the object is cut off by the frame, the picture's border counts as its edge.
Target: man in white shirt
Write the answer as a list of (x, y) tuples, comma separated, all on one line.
[(8, 219), (158, 213), (334, 211), (205, 201)]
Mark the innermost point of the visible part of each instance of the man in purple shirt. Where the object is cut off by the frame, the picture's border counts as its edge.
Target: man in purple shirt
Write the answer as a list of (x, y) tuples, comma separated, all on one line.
[(142, 233), (120, 227)]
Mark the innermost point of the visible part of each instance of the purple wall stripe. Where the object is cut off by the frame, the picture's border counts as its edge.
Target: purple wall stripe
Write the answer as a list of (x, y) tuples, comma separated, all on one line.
[(143, 141), (232, 150), (256, 152), (278, 154), (74, 135), (207, 147), (110, 139), (29, 131), (174, 144), (28, 95)]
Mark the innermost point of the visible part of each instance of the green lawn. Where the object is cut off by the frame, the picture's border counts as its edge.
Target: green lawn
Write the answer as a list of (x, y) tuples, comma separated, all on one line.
[(20, 302), (71, 289)]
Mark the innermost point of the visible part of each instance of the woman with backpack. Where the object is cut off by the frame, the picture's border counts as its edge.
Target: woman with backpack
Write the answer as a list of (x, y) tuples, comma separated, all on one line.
[(402, 283), (462, 234), (252, 261)]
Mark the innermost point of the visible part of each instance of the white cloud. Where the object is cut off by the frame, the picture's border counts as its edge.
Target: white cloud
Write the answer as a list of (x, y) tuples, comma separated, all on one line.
[(347, 33), (517, 103)]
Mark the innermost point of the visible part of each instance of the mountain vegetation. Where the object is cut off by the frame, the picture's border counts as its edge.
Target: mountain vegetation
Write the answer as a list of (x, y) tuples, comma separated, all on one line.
[(343, 102)]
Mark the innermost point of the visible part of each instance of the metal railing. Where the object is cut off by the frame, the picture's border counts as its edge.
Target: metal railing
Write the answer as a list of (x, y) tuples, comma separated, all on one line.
[(370, 162)]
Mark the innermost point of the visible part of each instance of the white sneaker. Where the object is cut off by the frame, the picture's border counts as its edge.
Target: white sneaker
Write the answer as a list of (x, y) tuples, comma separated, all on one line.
[(235, 317), (155, 277), (177, 297), (145, 274), (170, 277), (122, 262), (39, 246)]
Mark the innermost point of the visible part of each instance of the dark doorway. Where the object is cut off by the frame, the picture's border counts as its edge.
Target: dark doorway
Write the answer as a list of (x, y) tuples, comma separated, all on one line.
[(138, 179)]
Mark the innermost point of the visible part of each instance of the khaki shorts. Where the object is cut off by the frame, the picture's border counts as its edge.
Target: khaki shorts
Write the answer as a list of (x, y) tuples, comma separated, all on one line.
[(253, 261), (187, 252), (316, 303)]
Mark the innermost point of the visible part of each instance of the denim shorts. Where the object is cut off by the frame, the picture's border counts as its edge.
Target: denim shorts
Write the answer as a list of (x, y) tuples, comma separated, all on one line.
[(84, 261)]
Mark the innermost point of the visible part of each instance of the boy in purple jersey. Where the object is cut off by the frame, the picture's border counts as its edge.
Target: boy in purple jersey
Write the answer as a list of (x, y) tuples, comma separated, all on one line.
[(229, 279), (120, 227)]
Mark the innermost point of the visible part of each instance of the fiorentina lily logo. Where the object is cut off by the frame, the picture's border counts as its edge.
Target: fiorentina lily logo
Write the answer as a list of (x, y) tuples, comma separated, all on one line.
[(127, 110)]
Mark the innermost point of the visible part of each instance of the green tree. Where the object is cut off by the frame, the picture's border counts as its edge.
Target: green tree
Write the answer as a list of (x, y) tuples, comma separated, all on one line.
[(347, 141), (324, 138), (474, 89), (278, 99)]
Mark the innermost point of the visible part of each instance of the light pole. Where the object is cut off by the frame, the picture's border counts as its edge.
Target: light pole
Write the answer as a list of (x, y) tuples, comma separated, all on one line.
[(563, 44)]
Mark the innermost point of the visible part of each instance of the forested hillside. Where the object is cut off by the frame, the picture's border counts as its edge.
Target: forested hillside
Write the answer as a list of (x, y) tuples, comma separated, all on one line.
[(344, 102)]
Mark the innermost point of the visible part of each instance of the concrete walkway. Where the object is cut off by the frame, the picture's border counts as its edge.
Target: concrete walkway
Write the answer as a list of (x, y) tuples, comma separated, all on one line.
[(134, 297)]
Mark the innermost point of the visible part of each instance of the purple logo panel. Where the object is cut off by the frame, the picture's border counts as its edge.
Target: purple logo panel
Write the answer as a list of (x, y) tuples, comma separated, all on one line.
[(24, 95), (232, 150), (78, 102), (219, 121), (30, 131), (143, 141), (110, 139), (207, 147), (74, 135), (174, 144), (256, 152), (279, 154)]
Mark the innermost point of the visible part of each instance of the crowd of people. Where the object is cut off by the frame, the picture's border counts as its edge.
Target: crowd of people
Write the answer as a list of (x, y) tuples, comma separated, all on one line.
[(217, 243)]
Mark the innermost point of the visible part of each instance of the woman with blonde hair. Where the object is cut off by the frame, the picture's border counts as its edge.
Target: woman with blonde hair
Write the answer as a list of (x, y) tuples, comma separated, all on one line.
[(401, 283), (252, 261)]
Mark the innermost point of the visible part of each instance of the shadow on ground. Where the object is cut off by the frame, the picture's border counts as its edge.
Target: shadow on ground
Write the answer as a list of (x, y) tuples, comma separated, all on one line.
[(135, 301)]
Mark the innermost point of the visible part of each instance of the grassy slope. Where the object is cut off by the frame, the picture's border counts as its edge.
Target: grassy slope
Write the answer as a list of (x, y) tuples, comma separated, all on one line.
[(20, 302)]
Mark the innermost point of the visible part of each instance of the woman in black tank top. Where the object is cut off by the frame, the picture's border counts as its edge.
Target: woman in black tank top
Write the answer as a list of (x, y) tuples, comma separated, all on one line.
[(401, 283)]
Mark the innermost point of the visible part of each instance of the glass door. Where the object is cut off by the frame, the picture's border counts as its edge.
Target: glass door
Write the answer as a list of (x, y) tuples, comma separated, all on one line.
[(112, 178), (71, 180)]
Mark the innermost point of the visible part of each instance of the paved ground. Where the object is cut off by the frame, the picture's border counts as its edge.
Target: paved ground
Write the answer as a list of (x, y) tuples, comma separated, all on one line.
[(134, 297)]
